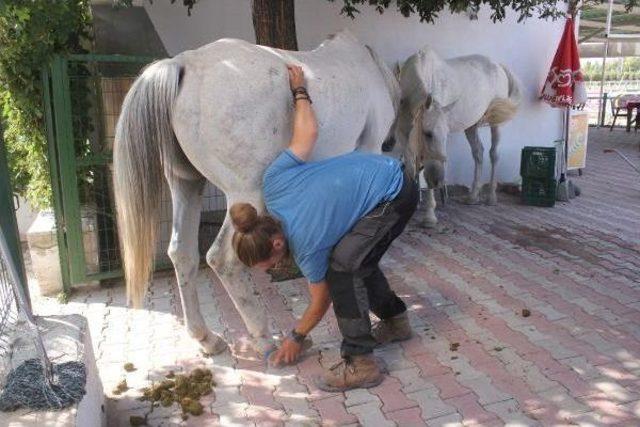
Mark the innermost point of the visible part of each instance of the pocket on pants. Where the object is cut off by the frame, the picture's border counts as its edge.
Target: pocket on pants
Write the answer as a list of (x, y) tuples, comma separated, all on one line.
[(351, 250)]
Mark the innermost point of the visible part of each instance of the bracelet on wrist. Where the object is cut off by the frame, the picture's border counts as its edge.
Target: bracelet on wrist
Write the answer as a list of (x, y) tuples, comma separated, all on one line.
[(297, 98), (296, 336), (299, 89)]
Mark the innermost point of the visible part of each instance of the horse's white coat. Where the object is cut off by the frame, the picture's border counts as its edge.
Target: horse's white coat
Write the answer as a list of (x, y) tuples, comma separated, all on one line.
[(443, 96), (231, 117)]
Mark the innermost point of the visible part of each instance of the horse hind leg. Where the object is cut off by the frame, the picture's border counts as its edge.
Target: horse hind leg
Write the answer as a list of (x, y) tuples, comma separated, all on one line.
[(493, 154), (186, 197), (477, 150), (237, 280)]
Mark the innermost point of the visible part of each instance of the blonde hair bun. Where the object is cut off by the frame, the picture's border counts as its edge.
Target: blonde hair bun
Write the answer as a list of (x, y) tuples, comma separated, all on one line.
[(244, 217)]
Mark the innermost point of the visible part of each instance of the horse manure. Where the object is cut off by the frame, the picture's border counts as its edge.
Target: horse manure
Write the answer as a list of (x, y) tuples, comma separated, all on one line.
[(121, 387), (191, 406), (526, 312), (129, 367), (183, 389), (454, 346)]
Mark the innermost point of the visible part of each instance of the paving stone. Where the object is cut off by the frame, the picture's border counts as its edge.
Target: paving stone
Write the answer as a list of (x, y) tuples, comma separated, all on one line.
[(406, 417), (486, 391), (431, 404), (573, 361), (562, 399), (509, 412), (360, 396), (369, 414), (452, 420)]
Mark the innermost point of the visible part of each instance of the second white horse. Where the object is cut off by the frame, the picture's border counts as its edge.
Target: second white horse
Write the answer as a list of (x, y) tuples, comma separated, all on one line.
[(443, 96)]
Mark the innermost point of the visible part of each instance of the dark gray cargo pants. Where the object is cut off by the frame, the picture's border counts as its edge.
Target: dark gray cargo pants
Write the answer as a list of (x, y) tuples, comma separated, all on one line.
[(356, 283)]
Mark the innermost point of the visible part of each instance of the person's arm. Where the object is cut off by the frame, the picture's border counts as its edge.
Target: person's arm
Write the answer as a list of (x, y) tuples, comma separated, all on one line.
[(318, 306), (305, 126)]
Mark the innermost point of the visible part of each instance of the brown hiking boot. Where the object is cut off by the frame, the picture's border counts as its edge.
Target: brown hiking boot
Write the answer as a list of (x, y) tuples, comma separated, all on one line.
[(393, 329), (356, 372)]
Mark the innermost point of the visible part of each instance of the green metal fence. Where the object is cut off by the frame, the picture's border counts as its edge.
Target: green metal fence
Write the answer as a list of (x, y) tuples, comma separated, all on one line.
[(78, 92), (83, 95), (9, 313)]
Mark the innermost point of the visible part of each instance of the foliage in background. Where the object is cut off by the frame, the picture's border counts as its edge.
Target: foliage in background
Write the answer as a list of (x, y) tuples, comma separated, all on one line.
[(31, 32), (429, 11), (617, 69)]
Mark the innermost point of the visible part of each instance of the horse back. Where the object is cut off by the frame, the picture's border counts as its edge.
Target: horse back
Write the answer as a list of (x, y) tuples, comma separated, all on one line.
[(235, 107)]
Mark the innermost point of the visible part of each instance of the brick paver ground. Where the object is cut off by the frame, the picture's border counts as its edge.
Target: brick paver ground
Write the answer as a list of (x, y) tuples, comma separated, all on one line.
[(476, 360)]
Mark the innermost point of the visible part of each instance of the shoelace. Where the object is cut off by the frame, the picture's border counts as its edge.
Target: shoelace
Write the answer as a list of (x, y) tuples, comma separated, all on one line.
[(344, 363)]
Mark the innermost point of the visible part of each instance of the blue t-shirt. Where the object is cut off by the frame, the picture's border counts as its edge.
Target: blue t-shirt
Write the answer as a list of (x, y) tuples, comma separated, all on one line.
[(319, 202)]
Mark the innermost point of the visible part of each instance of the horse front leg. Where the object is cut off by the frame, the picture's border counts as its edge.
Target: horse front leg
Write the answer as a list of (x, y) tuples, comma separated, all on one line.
[(183, 251), (236, 279), (430, 219), (477, 150)]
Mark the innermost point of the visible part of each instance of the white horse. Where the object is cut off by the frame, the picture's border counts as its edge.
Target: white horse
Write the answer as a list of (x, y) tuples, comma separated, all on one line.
[(443, 96), (221, 114)]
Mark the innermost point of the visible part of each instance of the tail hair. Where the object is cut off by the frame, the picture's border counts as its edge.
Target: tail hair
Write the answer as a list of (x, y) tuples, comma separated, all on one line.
[(144, 137), (502, 110)]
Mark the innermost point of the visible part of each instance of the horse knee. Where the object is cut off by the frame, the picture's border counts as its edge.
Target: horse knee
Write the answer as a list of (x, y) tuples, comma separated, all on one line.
[(213, 258), (184, 260), (493, 154)]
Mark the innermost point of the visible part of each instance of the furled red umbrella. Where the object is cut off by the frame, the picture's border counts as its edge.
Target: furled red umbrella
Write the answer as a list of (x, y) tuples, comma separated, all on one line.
[(565, 84), (565, 88)]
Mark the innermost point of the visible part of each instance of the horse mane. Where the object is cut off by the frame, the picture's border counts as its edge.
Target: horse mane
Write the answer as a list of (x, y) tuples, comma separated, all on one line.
[(414, 150)]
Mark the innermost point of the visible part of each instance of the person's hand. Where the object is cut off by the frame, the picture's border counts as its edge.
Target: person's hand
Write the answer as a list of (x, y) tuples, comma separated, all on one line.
[(288, 353), (296, 76)]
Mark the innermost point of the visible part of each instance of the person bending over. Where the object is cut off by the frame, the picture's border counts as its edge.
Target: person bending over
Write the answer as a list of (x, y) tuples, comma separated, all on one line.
[(336, 217)]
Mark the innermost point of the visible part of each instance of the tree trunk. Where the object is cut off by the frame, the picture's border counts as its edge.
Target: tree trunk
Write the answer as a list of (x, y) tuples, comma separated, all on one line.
[(274, 23)]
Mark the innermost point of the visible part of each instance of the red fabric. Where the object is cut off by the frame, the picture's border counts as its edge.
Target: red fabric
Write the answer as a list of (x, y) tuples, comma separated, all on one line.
[(565, 84)]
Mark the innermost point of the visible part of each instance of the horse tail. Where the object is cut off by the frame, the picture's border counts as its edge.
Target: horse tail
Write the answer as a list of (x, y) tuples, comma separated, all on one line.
[(515, 93), (502, 110), (144, 137)]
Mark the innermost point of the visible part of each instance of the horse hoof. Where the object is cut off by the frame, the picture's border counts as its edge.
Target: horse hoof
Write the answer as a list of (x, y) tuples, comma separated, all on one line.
[(213, 344), (470, 200), (429, 223)]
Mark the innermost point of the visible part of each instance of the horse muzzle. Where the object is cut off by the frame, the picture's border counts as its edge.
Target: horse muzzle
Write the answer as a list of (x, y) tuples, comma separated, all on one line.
[(434, 173)]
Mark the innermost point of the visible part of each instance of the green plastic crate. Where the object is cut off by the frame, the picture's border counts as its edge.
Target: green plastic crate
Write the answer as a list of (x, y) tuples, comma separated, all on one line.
[(538, 162), (539, 191)]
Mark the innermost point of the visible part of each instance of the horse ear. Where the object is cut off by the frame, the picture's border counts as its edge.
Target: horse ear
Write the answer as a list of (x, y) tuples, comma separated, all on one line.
[(396, 70), (429, 102)]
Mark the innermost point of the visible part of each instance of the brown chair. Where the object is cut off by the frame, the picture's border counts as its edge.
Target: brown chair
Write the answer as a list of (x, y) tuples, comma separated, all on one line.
[(618, 103)]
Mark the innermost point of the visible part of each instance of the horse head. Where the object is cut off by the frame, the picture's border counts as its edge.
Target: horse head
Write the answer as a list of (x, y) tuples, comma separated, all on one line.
[(427, 145)]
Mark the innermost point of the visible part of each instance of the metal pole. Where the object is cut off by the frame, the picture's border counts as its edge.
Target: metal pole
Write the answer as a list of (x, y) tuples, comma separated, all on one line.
[(18, 291), (601, 106)]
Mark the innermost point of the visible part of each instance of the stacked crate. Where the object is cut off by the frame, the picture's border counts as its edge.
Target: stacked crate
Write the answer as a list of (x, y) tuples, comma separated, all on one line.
[(538, 172)]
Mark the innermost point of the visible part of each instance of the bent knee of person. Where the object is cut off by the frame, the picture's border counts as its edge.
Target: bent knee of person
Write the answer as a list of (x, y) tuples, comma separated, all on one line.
[(346, 263)]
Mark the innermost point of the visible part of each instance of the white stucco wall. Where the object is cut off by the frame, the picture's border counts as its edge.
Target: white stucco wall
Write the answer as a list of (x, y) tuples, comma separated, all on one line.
[(526, 48)]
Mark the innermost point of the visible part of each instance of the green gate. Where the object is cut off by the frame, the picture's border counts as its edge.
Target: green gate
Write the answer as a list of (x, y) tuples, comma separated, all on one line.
[(83, 95)]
